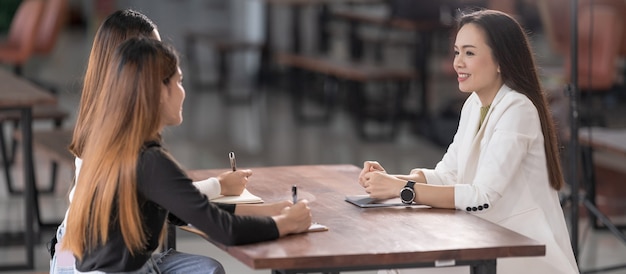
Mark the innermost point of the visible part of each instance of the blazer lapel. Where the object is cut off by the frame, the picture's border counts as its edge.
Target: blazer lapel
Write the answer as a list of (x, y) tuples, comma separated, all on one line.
[(469, 155), (465, 149)]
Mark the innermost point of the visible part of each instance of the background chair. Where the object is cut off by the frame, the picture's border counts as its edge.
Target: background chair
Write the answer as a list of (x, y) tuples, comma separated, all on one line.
[(15, 51), (53, 18), (34, 30), (224, 47), (20, 43), (52, 21), (600, 44)]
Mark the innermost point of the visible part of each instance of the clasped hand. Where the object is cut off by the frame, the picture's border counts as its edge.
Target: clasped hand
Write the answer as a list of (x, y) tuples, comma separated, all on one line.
[(381, 185)]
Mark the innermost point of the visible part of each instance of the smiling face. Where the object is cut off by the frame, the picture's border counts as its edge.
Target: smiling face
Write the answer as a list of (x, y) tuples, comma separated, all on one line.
[(474, 64), (173, 97)]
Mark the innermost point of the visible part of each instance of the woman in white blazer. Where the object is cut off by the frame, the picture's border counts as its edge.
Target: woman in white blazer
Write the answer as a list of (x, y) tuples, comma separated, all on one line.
[(503, 164)]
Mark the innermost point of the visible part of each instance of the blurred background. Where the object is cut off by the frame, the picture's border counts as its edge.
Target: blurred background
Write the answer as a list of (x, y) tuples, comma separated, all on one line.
[(299, 82)]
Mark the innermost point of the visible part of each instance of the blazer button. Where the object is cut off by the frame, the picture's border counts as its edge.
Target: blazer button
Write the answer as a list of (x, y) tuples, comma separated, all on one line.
[(474, 208), (480, 207), (468, 209), (486, 206)]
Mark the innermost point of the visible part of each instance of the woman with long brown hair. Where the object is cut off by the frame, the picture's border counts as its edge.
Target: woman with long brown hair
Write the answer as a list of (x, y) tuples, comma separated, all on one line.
[(503, 163), (115, 29), (129, 184)]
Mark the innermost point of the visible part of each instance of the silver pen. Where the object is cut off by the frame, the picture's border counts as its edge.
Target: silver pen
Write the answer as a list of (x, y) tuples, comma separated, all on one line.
[(294, 194), (233, 164)]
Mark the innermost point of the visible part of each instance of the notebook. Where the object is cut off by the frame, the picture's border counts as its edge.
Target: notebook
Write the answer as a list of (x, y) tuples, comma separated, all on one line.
[(245, 198)]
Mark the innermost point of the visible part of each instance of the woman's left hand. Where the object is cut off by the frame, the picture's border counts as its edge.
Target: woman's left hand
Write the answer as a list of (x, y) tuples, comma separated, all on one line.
[(369, 166), (381, 185)]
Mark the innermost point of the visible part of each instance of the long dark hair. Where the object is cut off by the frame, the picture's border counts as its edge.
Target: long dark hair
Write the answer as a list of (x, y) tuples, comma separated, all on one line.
[(116, 28), (512, 51), (126, 113)]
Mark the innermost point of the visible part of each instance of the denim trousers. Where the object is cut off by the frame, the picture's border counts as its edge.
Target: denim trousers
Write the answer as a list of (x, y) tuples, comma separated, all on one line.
[(170, 261)]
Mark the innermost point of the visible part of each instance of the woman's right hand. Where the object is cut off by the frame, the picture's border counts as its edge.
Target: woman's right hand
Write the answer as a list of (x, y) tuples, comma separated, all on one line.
[(369, 166), (294, 219), (234, 182)]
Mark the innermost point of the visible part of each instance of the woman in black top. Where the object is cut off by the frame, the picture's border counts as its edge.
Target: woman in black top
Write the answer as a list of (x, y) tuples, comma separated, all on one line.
[(129, 185)]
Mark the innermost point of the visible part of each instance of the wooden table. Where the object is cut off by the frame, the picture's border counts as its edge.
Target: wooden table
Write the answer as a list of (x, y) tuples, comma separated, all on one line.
[(296, 7), (608, 139), (17, 93), (373, 238), (322, 17)]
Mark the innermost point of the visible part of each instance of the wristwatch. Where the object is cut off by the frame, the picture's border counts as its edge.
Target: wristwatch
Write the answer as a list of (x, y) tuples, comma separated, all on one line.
[(407, 194)]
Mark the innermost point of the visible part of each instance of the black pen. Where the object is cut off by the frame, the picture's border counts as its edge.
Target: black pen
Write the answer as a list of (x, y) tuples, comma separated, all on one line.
[(294, 194), (233, 165)]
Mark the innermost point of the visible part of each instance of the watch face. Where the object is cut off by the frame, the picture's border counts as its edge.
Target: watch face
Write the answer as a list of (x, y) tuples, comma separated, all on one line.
[(407, 195)]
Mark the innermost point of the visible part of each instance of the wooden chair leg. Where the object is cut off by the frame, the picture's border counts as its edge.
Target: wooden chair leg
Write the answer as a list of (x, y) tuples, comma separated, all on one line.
[(303, 90), (13, 143), (17, 70), (386, 119), (331, 89), (8, 158), (54, 165), (224, 60), (42, 224), (190, 50), (6, 163)]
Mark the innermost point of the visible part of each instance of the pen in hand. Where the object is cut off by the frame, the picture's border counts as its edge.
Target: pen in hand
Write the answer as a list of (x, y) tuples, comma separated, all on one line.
[(294, 194), (233, 164)]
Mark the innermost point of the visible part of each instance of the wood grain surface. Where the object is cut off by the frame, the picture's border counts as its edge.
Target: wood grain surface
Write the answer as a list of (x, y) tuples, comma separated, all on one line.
[(360, 237), (16, 92)]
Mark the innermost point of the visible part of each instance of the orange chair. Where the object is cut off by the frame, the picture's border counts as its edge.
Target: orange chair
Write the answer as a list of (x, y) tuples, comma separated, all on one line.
[(19, 46), (52, 21), (34, 31), (600, 41)]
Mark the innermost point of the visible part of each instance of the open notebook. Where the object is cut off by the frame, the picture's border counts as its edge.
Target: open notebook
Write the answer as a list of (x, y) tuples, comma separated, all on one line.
[(245, 198)]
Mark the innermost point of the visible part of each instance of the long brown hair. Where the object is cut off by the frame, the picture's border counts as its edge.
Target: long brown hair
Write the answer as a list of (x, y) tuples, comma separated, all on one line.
[(512, 51), (115, 29), (126, 112)]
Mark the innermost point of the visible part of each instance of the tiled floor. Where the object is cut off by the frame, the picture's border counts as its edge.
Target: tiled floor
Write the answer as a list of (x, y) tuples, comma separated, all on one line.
[(263, 133)]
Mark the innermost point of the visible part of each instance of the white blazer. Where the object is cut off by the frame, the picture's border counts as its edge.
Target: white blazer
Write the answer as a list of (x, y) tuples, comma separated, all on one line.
[(499, 173)]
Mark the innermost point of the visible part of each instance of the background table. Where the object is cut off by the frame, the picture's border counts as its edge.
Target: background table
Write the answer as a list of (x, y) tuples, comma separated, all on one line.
[(608, 140), (17, 93), (373, 238)]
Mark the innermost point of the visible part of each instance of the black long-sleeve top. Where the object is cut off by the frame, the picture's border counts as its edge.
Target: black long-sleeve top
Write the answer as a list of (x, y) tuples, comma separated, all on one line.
[(162, 187)]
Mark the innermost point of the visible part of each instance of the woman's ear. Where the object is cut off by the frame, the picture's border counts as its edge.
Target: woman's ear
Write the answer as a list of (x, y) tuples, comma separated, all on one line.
[(165, 92)]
